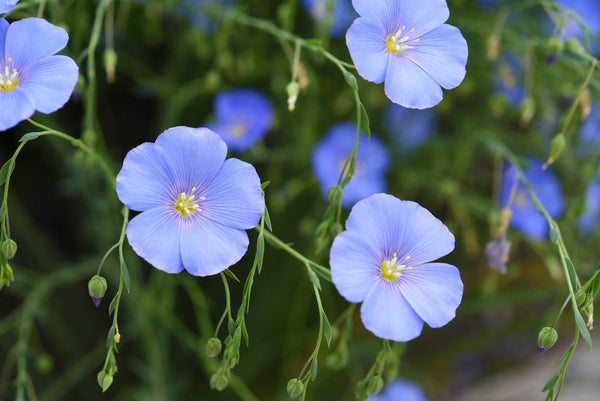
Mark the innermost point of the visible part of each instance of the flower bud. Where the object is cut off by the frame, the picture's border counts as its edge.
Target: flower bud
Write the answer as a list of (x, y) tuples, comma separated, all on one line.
[(213, 347), (294, 388), (104, 380), (556, 148), (7, 275), (546, 338), (334, 195), (110, 64), (580, 297), (9, 248), (97, 288), (219, 381), (292, 89), (374, 385)]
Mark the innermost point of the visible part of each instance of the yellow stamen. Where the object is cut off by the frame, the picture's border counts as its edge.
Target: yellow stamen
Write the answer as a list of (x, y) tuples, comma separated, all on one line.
[(396, 43), (9, 78), (391, 269), (185, 204)]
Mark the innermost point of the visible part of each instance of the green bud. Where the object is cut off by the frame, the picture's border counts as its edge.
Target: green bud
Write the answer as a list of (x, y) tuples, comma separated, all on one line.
[(580, 298), (546, 338), (97, 288), (335, 228), (104, 380), (574, 46), (555, 45), (7, 274), (556, 148), (294, 388), (374, 385), (213, 347), (219, 381), (292, 89), (9, 248), (334, 195), (110, 63), (527, 110)]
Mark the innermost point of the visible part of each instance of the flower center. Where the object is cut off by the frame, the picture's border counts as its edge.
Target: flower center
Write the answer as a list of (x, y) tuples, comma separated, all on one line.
[(9, 78), (186, 204), (396, 43), (238, 130), (391, 269)]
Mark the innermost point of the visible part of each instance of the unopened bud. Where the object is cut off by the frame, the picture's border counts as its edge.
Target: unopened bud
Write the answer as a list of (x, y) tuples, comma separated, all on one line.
[(555, 46), (374, 385), (219, 381), (104, 380), (334, 195), (546, 338), (574, 46), (292, 89), (110, 64), (213, 347), (556, 148), (580, 297), (9, 248), (7, 274), (117, 338), (97, 288), (294, 388)]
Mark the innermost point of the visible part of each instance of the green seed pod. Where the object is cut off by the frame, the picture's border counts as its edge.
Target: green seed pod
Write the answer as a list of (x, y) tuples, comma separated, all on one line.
[(219, 381), (334, 195), (580, 298), (213, 347), (374, 385), (9, 248), (97, 288), (546, 338), (294, 388)]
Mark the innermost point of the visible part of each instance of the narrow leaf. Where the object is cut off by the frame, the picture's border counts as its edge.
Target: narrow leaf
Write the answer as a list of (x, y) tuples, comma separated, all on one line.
[(326, 329), (29, 136), (313, 277), (551, 383), (125, 274), (572, 274), (113, 305), (583, 328), (554, 235), (231, 275), (350, 80), (268, 219), (264, 185), (313, 370), (6, 170), (364, 122), (260, 252)]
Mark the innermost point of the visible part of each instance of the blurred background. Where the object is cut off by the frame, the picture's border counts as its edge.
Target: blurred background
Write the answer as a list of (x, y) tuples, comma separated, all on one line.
[(161, 64)]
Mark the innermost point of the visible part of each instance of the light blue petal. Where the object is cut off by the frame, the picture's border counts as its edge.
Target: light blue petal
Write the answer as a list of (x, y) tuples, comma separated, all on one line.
[(50, 82), (32, 39), (7, 5), (408, 85), (386, 314), (434, 290), (208, 247), (3, 28), (389, 225), (146, 178), (196, 155), (355, 268), (442, 53), (154, 236), (234, 198), (400, 390), (15, 106), (381, 13), (366, 44)]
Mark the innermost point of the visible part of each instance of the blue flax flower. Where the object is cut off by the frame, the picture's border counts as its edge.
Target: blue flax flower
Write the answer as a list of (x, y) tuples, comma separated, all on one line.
[(588, 220), (32, 77), (195, 204), (410, 128), (372, 162), (525, 217), (400, 390), (407, 45), (340, 13), (383, 260), (242, 117), (7, 5)]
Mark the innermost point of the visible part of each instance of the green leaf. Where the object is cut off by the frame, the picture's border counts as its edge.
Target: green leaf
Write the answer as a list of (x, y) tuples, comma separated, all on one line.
[(237, 339), (29, 136), (364, 122), (313, 277), (260, 252), (231, 275), (125, 275), (326, 329), (113, 304), (313, 370), (111, 336), (550, 383), (565, 355), (264, 185), (6, 170), (554, 235), (267, 218), (350, 80), (572, 274), (314, 42), (583, 328)]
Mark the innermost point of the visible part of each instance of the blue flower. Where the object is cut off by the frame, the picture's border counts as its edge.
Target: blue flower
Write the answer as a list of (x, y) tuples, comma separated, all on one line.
[(340, 12), (243, 117), (195, 204), (589, 12), (400, 390), (383, 260), (588, 221), (410, 128), (588, 140), (525, 217), (7, 5), (31, 76), (508, 80), (407, 44), (330, 154)]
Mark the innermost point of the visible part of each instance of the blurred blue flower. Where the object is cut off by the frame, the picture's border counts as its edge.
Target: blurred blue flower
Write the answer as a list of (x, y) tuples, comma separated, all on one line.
[(525, 217), (203, 14), (242, 117), (340, 12), (588, 221), (407, 44), (588, 139), (508, 80), (589, 12), (383, 260), (400, 390), (195, 204), (410, 128), (31, 76), (372, 162), (7, 5)]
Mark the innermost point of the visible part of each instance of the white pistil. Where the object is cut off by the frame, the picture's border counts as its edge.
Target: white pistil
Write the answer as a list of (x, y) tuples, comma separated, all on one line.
[(9, 78), (186, 204), (397, 42)]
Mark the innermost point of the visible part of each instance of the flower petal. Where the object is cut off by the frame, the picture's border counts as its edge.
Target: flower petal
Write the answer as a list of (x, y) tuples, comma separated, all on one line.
[(234, 197), (196, 155), (145, 179), (354, 266), (15, 106), (32, 39), (408, 85), (209, 248), (389, 225), (366, 44), (50, 82), (3, 28), (442, 53), (154, 236), (381, 13), (388, 315), (434, 291)]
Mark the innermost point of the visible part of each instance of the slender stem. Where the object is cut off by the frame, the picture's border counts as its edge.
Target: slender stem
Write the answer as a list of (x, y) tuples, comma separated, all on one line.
[(112, 248)]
